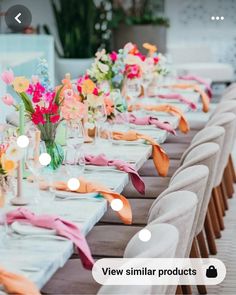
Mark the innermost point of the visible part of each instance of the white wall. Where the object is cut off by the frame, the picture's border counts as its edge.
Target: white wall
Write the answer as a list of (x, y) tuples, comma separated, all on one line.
[(191, 23)]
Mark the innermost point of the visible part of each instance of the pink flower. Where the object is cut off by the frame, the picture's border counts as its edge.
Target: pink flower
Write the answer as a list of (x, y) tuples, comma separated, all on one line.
[(49, 96), (8, 77), (8, 99), (68, 93), (113, 56), (37, 91), (95, 91), (54, 119), (132, 71), (73, 109)]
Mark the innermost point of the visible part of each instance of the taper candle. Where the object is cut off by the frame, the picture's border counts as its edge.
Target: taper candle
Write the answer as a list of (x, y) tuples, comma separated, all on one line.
[(22, 118), (37, 143)]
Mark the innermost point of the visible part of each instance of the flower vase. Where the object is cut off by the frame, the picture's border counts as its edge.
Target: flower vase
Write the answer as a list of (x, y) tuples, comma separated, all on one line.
[(56, 153)]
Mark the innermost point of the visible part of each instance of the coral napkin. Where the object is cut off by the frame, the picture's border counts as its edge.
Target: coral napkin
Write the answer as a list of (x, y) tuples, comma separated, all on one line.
[(146, 120), (63, 228), (101, 160), (179, 97), (17, 284), (160, 158), (125, 213), (167, 108), (204, 97), (199, 80)]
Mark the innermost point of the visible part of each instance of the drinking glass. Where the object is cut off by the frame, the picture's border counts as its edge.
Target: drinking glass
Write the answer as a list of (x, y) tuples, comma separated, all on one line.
[(75, 134), (133, 89), (146, 80), (74, 162)]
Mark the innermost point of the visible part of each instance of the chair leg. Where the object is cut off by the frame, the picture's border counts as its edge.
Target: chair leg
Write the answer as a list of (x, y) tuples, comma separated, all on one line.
[(224, 194), (202, 245), (219, 211), (195, 254), (179, 290), (214, 218), (228, 180), (221, 199), (231, 164), (186, 289), (210, 235)]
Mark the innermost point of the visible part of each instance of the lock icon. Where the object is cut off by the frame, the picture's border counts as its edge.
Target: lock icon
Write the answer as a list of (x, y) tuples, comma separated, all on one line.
[(211, 272)]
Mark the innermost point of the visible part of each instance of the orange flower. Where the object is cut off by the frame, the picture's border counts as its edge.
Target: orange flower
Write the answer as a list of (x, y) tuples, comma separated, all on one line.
[(151, 48), (8, 165), (88, 87)]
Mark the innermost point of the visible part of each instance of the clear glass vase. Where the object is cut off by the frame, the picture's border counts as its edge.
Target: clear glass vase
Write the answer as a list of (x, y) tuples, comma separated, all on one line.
[(56, 152)]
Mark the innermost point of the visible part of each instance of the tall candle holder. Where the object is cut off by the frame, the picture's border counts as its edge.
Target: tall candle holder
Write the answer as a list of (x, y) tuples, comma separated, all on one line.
[(20, 200)]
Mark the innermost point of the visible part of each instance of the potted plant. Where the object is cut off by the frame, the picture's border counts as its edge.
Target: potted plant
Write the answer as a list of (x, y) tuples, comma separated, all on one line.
[(138, 23), (79, 34)]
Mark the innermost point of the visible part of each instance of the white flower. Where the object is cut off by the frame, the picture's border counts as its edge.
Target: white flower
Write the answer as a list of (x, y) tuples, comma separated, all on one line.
[(14, 153), (103, 67)]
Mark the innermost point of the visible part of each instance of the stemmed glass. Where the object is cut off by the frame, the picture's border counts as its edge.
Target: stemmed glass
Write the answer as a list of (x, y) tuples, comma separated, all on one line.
[(74, 162), (75, 134), (32, 162), (121, 109), (100, 118), (146, 80), (133, 89)]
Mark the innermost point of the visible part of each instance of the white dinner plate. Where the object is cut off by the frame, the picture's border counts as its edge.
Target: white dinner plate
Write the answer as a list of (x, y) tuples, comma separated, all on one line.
[(74, 195)]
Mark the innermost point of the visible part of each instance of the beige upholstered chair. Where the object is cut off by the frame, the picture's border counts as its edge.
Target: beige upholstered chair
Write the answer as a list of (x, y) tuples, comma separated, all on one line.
[(102, 235), (74, 279)]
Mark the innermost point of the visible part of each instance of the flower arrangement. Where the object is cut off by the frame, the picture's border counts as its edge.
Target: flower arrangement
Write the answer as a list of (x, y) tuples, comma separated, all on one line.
[(10, 154), (45, 107)]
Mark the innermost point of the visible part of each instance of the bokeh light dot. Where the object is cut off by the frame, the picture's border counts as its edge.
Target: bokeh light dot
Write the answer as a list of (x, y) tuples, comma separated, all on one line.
[(44, 159), (22, 141), (73, 184), (116, 204), (145, 235)]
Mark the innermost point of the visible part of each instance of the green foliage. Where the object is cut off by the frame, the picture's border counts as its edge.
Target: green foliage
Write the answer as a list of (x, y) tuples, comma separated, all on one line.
[(141, 12), (81, 27)]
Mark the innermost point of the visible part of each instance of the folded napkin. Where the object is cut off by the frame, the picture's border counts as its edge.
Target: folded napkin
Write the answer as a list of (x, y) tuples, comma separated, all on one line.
[(179, 97), (167, 108), (101, 160), (17, 284), (160, 158), (63, 228), (204, 97), (125, 213), (199, 80), (146, 120)]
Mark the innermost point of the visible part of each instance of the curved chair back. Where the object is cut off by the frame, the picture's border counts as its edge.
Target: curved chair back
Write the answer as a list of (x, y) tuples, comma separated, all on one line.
[(225, 107), (228, 122), (193, 179), (205, 154), (229, 93), (179, 209), (163, 243), (208, 134)]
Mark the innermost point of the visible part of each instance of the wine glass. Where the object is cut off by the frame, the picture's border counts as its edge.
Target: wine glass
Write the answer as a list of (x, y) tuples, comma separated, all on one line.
[(121, 110), (133, 89), (146, 80), (100, 117), (75, 134), (32, 163), (74, 162)]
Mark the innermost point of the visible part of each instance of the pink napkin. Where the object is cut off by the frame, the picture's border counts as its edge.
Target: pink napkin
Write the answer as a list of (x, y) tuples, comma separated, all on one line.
[(101, 160), (199, 80), (146, 120), (63, 228), (180, 97)]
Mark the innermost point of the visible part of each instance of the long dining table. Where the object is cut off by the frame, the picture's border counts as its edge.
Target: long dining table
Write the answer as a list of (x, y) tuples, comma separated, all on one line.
[(39, 256)]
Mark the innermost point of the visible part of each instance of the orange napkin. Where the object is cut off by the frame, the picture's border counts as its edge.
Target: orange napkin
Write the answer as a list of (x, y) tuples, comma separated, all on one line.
[(160, 158), (204, 97), (17, 284), (167, 108), (125, 213)]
